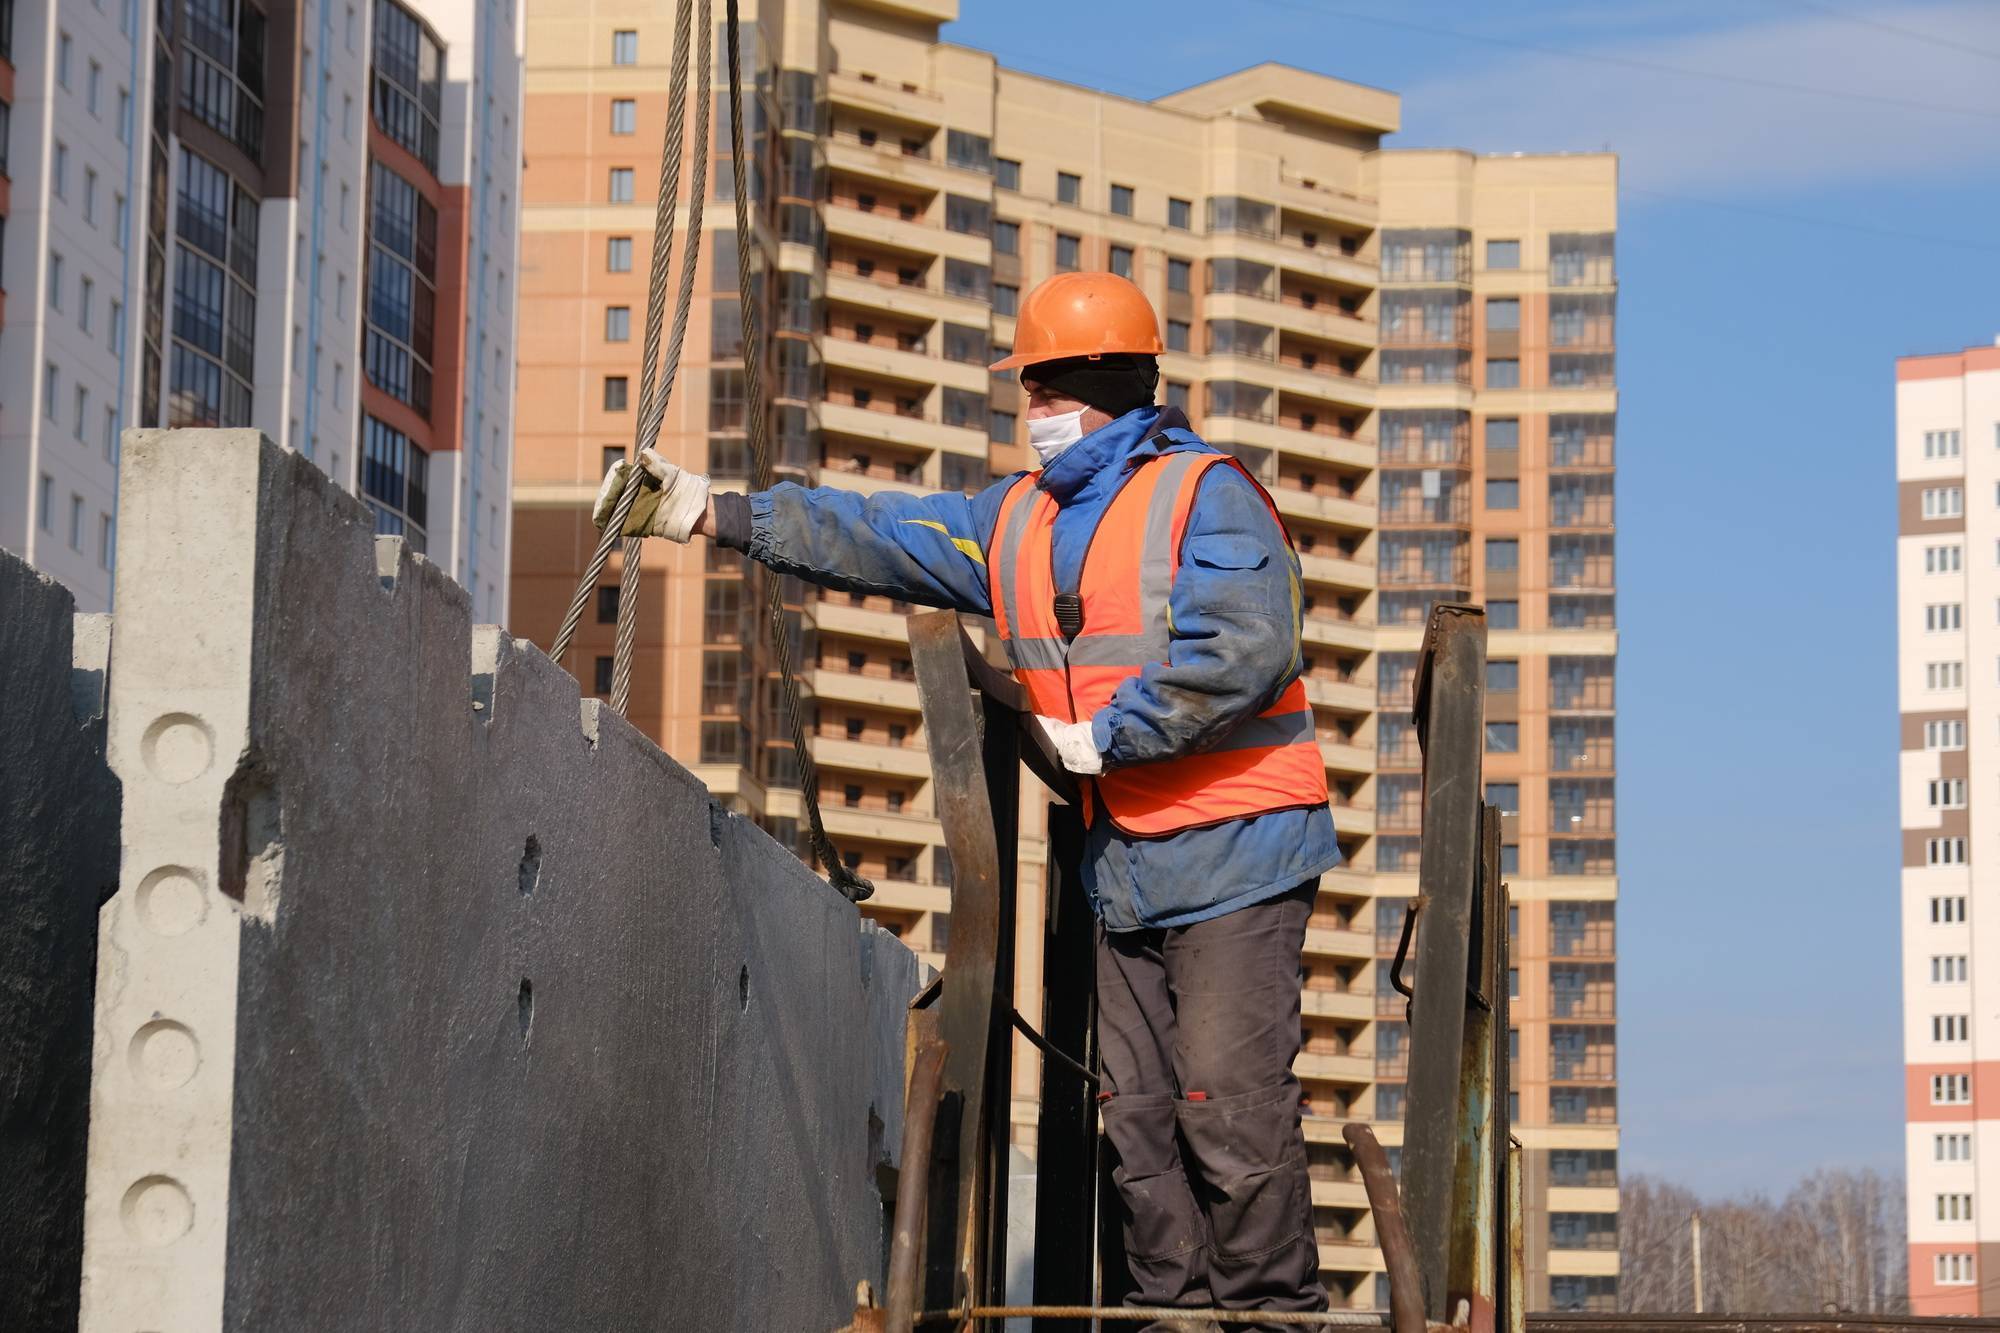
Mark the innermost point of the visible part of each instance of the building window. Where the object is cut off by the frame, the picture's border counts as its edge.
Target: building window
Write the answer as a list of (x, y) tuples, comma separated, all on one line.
[(1006, 298), (607, 604), (1503, 372), (395, 481), (1504, 614), (1945, 852), (55, 281), (1948, 911), (1951, 1147), (1503, 737), (1000, 427), (624, 116), (1944, 502), (1180, 275), (1951, 1089), (974, 152), (75, 522), (1945, 735), (1180, 214), (1954, 1207), (1942, 559), (1503, 495), (1953, 1270), (1121, 200), (1069, 188), (402, 289), (1941, 444), (625, 47), (1947, 794), (967, 217), (615, 387), (1068, 250), (1503, 555), (1007, 173), (1950, 1027), (618, 254), (1504, 797), (1178, 395), (409, 81), (618, 323), (1121, 261), (1503, 315), (1503, 254), (1944, 675), (1177, 335), (962, 278), (214, 304), (1006, 237), (621, 185)]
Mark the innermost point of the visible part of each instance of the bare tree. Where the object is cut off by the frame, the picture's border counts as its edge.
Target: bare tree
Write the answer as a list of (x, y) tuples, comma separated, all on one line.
[(1835, 1243)]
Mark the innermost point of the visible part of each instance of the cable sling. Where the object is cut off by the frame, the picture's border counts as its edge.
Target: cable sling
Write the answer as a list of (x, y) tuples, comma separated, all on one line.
[(656, 388)]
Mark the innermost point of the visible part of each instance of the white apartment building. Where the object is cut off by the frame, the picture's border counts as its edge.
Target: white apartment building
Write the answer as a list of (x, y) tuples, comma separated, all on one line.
[(1948, 692), (299, 215)]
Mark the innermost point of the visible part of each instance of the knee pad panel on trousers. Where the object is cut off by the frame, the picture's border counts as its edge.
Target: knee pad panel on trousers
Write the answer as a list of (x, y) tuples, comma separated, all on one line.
[(1163, 1219), (1250, 1156)]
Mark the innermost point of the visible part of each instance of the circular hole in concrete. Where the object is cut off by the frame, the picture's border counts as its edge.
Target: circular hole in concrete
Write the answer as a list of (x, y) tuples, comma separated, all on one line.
[(743, 987)]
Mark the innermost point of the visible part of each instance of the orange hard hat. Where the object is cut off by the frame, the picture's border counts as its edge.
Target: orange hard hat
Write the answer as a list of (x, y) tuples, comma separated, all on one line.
[(1083, 314)]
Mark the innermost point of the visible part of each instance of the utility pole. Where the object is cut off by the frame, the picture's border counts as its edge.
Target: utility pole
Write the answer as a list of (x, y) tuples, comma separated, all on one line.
[(1694, 1234)]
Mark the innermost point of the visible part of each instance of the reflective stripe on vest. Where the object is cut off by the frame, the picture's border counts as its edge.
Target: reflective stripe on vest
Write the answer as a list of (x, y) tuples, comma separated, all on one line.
[(1269, 762)]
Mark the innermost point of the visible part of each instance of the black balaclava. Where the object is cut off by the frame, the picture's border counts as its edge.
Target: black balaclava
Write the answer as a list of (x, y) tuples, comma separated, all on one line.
[(1113, 384)]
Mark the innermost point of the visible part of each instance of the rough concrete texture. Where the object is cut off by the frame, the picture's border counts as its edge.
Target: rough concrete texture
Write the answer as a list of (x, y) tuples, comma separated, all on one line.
[(58, 862), (432, 998)]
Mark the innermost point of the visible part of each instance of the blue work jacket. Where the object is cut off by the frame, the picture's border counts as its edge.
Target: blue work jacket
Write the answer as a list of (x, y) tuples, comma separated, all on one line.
[(1235, 644)]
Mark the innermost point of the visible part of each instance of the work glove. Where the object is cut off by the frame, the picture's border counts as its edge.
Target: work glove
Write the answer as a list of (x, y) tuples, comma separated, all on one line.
[(670, 502), (1073, 744)]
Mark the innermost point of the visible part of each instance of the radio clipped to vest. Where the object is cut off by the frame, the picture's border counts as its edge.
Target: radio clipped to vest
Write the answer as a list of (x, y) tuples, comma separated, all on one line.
[(1069, 614)]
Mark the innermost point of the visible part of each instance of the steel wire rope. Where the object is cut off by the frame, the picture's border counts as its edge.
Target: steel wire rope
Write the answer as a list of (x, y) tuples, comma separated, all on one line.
[(843, 878), (653, 401), (663, 235)]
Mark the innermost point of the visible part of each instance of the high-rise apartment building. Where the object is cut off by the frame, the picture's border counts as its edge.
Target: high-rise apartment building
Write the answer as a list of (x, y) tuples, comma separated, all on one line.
[(1414, 351), (1948, 693), (298, 216)]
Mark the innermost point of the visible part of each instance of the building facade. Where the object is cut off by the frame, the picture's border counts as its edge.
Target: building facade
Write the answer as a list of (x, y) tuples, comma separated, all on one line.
[(1414, 351), (298, 216), (1948, 694)]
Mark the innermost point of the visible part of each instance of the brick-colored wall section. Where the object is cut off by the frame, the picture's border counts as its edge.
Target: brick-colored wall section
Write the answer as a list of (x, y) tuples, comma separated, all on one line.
[(1930, 1297), (1948, 365)]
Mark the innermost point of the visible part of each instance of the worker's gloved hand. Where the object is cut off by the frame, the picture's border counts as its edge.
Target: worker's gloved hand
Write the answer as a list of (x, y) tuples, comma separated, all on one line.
[(1073, 744), (670, 502)]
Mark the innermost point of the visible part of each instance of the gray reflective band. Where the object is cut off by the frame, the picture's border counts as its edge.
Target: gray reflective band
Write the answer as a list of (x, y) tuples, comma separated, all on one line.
[(1262, 733), (1156, 554), (1010, 561), (1035, 654), (1119, 650)]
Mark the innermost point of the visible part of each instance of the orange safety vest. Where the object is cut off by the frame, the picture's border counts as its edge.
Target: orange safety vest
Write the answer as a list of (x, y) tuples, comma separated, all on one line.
[(1270, 762)]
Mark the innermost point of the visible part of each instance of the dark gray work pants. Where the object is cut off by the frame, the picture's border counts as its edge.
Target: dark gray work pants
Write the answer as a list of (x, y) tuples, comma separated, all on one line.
[(1198, 1026)]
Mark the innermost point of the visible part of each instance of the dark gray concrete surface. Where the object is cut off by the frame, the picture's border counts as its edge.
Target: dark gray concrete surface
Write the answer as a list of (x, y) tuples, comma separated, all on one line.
[(501, 1023), (58, 862)]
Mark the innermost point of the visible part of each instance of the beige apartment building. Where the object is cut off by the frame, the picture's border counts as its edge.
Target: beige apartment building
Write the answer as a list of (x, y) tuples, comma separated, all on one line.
[(1414, 351)]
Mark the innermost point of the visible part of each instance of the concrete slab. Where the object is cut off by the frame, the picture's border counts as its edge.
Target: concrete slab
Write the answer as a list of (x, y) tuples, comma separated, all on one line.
[(432, 997), (58, 862)]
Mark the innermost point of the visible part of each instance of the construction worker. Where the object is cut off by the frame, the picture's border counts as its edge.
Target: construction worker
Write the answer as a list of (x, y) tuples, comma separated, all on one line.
[(1147, 596)]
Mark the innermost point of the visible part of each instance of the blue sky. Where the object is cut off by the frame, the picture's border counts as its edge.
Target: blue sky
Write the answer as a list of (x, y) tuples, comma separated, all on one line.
[(1778, 249)]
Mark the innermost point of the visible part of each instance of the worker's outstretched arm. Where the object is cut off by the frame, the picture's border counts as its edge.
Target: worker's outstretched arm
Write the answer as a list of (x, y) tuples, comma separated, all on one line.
[(1235, 645), (928, 549), (920, 548)]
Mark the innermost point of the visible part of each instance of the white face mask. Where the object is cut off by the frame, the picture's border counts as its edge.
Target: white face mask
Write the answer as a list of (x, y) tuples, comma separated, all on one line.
[(1049, 436)]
